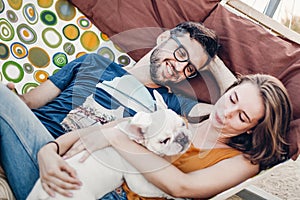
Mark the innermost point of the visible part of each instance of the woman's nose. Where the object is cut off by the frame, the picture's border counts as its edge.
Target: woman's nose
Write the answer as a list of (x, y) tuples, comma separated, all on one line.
[(229, 112)]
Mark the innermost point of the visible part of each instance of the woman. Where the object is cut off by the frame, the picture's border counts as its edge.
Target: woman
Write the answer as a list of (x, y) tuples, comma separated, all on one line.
[(246, 131)]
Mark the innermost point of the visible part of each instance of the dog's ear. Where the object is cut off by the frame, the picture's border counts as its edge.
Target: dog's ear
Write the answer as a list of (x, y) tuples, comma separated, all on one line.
[(142, 120), (160, 103)]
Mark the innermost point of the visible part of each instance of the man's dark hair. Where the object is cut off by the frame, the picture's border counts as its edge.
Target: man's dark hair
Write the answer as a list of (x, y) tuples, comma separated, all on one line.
[(206, 37)]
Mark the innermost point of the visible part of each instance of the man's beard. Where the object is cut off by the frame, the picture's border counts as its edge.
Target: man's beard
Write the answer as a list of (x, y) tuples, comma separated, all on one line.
[(155, 64)]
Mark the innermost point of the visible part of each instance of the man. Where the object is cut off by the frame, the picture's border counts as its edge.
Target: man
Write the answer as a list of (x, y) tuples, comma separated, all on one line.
[(180, 53), (178, 56)]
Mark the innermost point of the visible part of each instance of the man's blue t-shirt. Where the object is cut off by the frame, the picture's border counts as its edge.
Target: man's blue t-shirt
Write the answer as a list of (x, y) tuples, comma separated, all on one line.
[(96, 90)]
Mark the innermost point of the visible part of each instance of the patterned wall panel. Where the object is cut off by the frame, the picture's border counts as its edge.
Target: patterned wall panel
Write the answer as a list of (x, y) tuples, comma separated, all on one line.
[(39, 37)]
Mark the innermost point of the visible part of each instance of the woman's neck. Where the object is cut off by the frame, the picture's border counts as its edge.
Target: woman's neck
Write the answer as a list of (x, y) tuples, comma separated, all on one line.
[(206, 137)]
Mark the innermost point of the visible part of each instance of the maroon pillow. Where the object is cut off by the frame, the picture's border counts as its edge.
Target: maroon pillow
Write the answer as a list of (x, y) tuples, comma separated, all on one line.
[(249, 48), (134, 25)]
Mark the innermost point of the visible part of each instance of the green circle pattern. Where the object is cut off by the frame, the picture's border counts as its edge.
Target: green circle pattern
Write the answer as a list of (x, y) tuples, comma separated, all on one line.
[(12, 16), (4, 51), (8, 64), (69, 48), (107, 52), (30, 37), (39, 27), (30, 13), (60, 59), (28, 68), (47, 40), (48, 18), (2, 7), (65, 10), (38, 57), (28, 86), (7, 32), (124, 60)]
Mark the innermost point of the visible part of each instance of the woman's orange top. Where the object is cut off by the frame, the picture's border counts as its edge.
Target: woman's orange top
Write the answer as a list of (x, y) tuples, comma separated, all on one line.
[(193, 159)]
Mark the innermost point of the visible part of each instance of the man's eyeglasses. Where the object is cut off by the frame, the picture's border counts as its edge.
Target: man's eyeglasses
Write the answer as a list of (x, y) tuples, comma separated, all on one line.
[(182, 55)]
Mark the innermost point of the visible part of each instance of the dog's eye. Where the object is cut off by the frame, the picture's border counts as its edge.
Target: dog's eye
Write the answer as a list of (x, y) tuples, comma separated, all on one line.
[(165, 141), (183, 124)]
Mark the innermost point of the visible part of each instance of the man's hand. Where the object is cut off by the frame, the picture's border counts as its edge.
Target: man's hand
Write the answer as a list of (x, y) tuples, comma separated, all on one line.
[(55, 174), (12, 87)]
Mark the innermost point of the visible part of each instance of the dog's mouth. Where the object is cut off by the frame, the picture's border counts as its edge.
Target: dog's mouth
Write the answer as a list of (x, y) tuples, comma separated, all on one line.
[(177, 144), (181, 138)]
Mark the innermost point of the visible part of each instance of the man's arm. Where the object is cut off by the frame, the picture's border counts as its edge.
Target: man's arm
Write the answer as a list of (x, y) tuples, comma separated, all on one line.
[(41, 95), (201, 109), (222, 74)]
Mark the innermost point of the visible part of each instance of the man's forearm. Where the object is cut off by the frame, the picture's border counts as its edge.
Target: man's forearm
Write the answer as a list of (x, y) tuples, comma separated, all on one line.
[(222, 74), (41, 95)]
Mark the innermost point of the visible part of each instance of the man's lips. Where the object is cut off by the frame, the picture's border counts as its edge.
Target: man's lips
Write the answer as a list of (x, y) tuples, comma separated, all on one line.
[(169, 69)]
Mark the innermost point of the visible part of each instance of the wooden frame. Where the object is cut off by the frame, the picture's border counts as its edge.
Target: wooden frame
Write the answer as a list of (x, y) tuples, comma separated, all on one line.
[(275, 27)]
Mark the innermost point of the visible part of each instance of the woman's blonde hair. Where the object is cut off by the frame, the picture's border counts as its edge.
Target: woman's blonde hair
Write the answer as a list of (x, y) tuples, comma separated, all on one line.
[(267, 145)]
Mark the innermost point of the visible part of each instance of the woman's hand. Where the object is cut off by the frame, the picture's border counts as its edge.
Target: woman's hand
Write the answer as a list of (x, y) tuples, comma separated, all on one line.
[(55, 174), (91, 141)]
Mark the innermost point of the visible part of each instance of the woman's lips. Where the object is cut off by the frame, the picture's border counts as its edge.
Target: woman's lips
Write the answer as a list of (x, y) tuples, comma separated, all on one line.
[(218, 119)]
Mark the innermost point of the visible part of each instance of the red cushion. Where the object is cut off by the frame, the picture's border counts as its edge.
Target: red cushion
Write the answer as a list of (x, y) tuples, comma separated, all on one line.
[(127, 17), (249, 48)]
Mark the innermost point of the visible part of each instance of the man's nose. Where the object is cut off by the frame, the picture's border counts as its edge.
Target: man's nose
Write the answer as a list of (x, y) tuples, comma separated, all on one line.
[(179, 67)]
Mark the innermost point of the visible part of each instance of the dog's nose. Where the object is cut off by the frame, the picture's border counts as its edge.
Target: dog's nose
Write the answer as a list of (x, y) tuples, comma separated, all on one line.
[(182, 139)]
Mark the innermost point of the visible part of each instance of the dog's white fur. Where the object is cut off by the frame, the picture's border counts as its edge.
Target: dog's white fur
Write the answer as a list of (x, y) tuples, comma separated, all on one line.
[(163, 132)]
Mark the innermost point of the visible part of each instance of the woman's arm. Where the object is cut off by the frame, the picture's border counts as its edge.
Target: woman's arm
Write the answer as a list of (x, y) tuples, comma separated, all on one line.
[(221, 176), (55, 173), (198, 184)]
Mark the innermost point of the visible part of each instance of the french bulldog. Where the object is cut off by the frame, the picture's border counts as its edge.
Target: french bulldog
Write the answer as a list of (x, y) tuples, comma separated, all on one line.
[(162, 132)]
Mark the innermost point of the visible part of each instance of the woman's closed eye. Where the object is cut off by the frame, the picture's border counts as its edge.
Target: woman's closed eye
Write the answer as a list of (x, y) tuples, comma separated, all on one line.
[(233, 98), (241, 117)]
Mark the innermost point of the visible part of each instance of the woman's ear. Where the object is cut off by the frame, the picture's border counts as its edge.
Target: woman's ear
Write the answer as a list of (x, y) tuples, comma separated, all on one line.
[(163, 37)]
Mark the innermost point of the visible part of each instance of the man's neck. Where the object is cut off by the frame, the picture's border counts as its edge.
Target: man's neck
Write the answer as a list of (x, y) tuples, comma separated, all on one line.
[(141, 71)]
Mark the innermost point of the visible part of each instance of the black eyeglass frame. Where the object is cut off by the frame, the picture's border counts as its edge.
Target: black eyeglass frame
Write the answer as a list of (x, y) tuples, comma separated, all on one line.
[(187, 68)]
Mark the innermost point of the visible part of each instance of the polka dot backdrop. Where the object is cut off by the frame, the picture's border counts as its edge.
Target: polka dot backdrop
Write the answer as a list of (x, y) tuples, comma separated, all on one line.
[(39, 37)]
